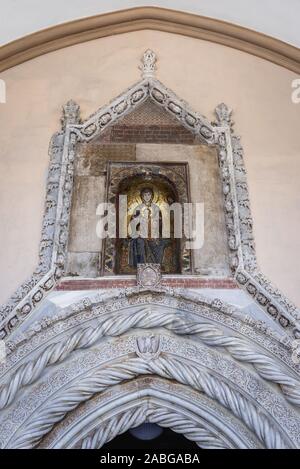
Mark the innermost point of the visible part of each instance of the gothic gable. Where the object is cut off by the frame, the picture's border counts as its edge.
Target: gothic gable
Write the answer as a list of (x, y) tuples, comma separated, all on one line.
[(55, 232)]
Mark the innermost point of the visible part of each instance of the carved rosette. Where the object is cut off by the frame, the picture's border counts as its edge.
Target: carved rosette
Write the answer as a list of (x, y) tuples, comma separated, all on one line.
[(108, 115), (148, 275)]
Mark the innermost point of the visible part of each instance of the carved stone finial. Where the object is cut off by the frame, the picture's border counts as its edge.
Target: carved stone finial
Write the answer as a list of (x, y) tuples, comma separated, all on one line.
[(71, 114), (223, 114), (149, 64)]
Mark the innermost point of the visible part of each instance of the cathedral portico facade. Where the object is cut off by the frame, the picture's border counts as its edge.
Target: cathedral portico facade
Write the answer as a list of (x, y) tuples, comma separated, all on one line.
[(125, 323)]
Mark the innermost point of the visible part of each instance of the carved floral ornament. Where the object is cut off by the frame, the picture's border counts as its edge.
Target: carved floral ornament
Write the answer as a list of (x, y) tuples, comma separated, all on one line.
[(148, 275), (55, 230)]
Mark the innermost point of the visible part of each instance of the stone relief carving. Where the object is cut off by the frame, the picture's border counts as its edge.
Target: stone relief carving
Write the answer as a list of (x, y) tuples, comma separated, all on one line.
[(56, 340), (117, 301), (159, 399), (148, 347), (235, 191), (70, 114), (55, 228), (238, 390), (59, 192), (148, 66), (176, 174), (148, 275), (156, 414), (270, 299)]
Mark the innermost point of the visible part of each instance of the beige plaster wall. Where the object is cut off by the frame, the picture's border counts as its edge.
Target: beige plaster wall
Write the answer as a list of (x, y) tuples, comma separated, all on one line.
[(203, 74)]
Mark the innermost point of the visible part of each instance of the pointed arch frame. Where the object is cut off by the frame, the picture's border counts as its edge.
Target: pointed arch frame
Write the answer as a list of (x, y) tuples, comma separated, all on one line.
[(155, 400), (202, 344)]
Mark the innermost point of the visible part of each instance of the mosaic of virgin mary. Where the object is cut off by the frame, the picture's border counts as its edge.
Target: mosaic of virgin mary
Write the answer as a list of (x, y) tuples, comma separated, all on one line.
[(145, 230), (145, 243)]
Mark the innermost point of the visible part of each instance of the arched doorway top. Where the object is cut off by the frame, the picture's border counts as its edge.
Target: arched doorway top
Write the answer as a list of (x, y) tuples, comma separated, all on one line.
[(155, 400), (91, 370)]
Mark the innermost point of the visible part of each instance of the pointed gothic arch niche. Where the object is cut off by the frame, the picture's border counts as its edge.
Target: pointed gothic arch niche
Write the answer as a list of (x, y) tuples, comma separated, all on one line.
[(152, 437)]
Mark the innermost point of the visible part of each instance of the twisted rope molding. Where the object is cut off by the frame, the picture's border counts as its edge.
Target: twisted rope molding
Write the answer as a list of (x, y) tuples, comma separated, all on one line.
[(266, 367), (132, 418), (97, 302), (149, 391), (28, 436), (232, 400)]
